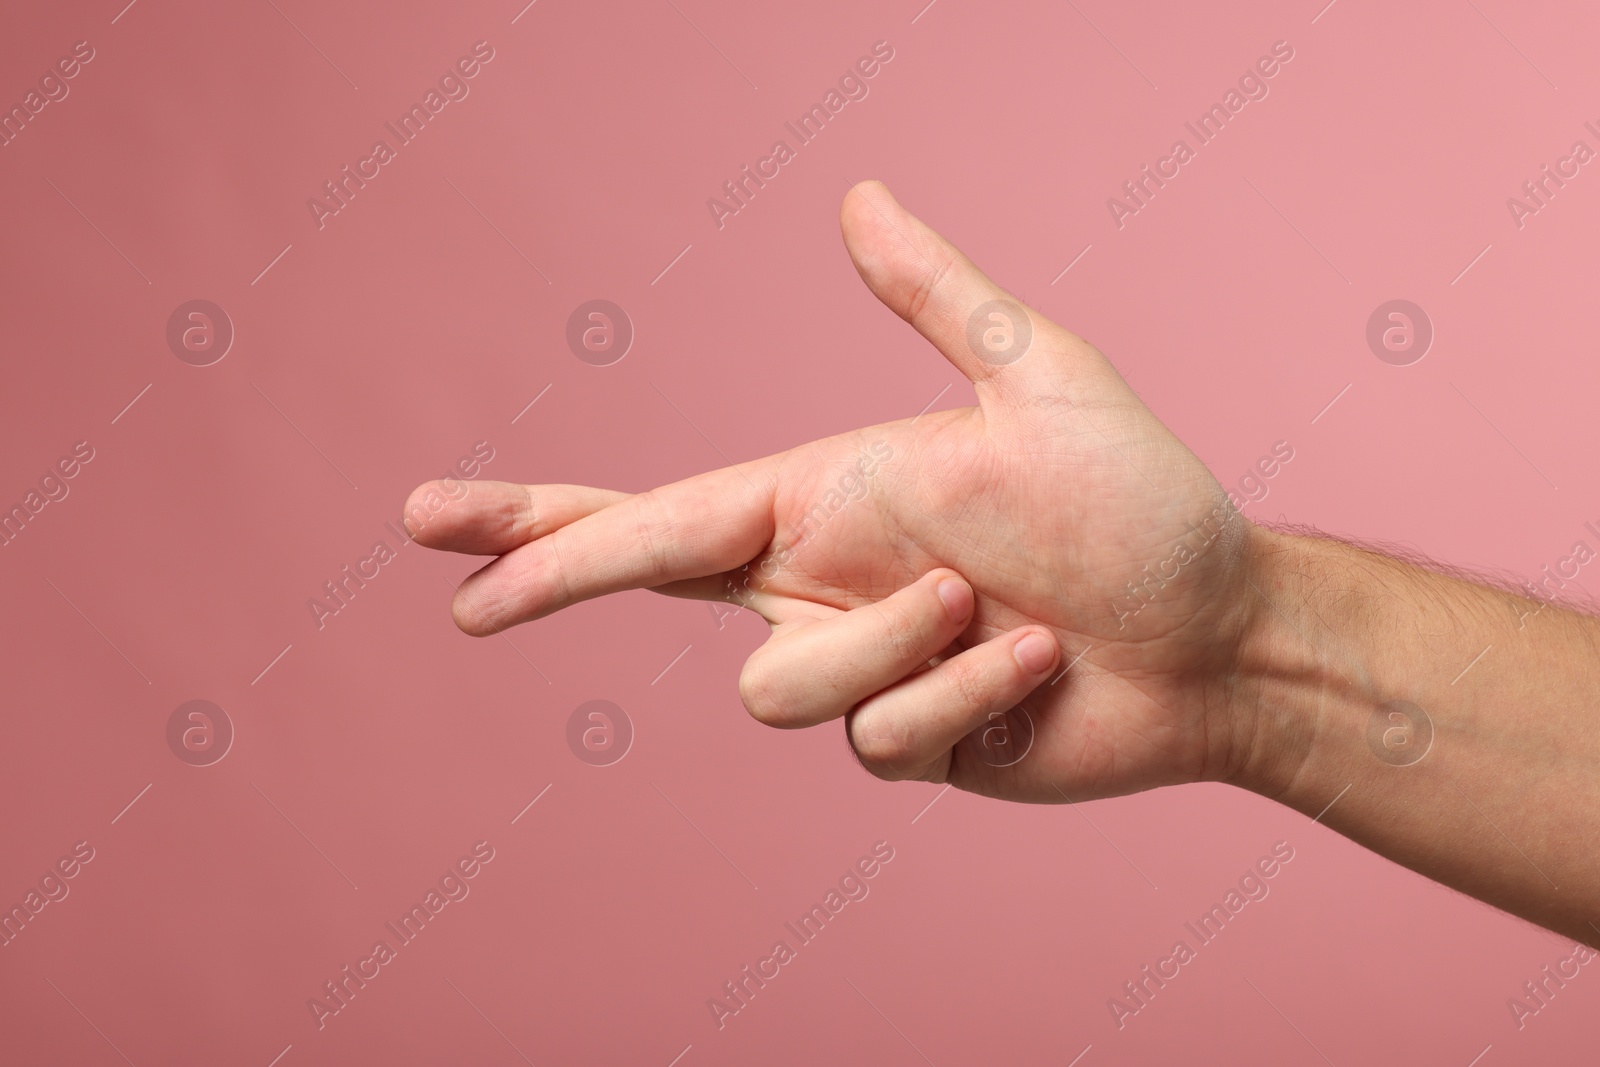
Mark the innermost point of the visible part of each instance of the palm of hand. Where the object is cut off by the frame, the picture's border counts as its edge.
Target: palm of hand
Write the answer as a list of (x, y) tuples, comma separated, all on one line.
[(1050, 520)]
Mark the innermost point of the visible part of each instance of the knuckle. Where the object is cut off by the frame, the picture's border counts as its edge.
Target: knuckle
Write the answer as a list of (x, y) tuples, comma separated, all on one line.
[(653, 529), (965, 684), (886, 748), (927, 282), (903, 635), (529, 519)]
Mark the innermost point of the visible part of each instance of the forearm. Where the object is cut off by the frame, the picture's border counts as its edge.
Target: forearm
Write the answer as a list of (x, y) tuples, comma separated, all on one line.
[(1504, 802)]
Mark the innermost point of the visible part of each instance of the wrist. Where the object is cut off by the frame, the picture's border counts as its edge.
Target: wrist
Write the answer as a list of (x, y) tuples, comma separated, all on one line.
[(1296, 686)]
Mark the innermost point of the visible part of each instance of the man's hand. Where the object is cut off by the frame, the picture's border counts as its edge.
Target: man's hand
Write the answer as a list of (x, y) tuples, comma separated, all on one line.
[(928, 580)]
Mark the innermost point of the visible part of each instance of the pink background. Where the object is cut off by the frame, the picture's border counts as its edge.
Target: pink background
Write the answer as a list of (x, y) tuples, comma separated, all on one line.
[(372, 353)]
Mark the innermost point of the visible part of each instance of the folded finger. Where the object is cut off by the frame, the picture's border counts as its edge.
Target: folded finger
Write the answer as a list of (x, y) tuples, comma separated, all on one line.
[(908, 730), (820, 670)]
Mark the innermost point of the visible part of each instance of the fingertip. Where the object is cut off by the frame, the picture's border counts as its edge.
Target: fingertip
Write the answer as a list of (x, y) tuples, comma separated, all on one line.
[(1035, 651), (463, 623), (426, 504), (865, 217), (468, 618), (956, 596), (867, 191), (414, 501)]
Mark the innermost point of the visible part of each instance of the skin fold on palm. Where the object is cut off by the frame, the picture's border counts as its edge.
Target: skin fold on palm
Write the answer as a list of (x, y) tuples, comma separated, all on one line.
[(1061, 501)]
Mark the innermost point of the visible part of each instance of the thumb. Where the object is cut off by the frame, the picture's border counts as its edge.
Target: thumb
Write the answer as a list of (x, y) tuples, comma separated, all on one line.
[(1009, 353)]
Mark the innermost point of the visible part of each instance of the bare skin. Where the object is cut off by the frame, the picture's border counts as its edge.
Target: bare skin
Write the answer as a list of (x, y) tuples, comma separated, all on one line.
[(1049, 598)]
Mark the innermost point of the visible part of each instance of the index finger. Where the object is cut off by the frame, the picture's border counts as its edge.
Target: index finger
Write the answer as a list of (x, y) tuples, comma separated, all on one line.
[(704, 525)]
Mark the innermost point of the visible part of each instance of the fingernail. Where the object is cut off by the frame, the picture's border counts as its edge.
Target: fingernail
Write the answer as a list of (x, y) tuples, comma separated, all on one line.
[(1035, 652), (957, 597)]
